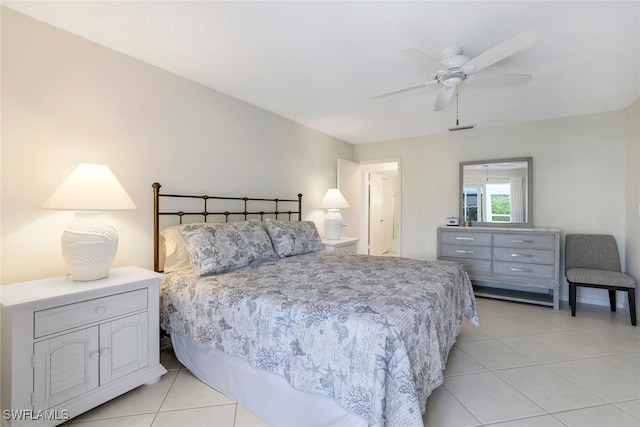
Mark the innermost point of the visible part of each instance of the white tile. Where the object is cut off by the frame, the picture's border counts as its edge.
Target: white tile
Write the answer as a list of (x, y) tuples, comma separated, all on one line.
[(246, 418), (548, 389), (469, 332), (499, 327), (189, 392), (145, 399), (583, 344), (212, 416), (541, 421), (630, 407), (459, 363), (626, 337), (540, 349), (443, 410), (130, 421), (600, 378), (598, 416), (489, 398), (493, 354)]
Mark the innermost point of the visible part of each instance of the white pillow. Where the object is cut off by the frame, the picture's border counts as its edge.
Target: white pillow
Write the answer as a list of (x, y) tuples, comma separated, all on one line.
[(176, 255)]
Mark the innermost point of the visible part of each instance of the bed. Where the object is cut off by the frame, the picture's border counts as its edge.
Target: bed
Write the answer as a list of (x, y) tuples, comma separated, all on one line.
[(299, 335)]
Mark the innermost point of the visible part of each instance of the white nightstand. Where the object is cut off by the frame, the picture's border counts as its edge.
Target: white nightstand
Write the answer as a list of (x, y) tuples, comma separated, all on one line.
[(344, 244), (70, 346)]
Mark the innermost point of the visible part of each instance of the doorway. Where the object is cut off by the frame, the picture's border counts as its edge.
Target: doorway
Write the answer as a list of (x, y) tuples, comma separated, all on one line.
[(374, 189), (383, 224)]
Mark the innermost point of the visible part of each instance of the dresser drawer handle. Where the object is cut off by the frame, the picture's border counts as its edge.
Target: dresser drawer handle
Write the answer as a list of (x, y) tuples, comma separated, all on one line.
[(465, 238), (520, 241), (101, 309), (522, 255), (460, 251), (522, 270)]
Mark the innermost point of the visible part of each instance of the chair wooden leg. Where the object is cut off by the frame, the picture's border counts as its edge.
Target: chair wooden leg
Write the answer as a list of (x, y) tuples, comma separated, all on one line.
[(632, 305), (572, 298), (612, 299)]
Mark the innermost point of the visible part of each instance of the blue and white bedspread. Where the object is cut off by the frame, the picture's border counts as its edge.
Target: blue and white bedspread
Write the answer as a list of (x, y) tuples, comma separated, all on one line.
[(372, 333)]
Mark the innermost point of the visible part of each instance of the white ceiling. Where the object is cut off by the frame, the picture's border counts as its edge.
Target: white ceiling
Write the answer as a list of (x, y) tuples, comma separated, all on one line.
[(319, 63)]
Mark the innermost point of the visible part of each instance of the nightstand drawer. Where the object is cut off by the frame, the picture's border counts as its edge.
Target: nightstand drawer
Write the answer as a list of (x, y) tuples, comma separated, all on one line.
[(79, 314)]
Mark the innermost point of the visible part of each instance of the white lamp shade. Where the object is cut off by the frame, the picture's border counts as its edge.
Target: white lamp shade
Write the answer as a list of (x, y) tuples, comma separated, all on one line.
[(333, 200), (90, 187)]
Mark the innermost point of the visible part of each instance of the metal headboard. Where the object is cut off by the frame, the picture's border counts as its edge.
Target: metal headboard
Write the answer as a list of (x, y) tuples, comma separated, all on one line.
[(204, 213)]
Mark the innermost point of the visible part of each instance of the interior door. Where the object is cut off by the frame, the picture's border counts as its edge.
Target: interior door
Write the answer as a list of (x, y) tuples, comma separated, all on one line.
[(350, 185), (380, 214)]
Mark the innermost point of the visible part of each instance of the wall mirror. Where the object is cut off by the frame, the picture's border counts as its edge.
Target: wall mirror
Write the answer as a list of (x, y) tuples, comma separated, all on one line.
[(497, 193)]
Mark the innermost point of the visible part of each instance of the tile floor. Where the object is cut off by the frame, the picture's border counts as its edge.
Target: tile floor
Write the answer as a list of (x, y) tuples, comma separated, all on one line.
[(525, 365)]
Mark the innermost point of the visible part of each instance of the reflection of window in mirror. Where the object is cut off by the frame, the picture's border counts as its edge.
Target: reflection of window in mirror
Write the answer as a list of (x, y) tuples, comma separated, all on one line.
[(496, 191), (470, 199), (498, 202)]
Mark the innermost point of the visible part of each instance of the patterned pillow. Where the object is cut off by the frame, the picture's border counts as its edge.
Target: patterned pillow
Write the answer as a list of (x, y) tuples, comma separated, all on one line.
[(293, 237), (216, 248)]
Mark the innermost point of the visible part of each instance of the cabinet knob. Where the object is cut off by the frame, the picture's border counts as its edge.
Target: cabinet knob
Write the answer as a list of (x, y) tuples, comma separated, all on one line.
[(94, 355), (105, 352), (101, 309)]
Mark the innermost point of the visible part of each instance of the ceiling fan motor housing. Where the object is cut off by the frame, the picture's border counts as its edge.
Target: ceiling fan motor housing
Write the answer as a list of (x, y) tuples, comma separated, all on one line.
[(452, 58)]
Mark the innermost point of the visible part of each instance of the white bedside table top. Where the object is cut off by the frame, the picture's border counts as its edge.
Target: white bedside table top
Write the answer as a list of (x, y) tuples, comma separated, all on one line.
[(343, 241), (57, 287)]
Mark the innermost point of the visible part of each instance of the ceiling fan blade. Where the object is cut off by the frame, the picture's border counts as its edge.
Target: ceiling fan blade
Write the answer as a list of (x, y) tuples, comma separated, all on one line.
[(406, 89), (503, 50), (496, 78), (444, 97), (425, 61)]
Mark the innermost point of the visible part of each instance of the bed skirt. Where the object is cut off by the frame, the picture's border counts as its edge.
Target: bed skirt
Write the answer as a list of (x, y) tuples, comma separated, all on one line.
[(265, 394)]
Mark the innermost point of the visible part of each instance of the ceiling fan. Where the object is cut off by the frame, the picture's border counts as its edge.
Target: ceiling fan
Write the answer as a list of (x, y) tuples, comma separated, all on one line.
[(454, 68)]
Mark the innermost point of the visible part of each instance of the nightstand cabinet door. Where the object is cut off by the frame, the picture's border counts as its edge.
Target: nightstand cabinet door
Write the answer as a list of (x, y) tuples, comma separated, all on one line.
[(123, 347), (65, 367)]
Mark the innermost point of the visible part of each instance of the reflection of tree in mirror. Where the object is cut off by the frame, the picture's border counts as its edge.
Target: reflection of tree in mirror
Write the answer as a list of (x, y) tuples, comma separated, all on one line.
[(472, 213), (501, 207)]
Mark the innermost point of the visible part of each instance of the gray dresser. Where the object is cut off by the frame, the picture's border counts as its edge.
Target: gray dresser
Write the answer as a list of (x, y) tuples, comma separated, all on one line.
[(521, 258)]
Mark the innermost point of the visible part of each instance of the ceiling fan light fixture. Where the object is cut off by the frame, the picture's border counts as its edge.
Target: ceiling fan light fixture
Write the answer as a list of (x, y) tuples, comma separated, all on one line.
[(452, 81)]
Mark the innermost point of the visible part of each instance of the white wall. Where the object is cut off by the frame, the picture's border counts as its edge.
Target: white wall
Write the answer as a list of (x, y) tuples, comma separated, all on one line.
[(578, 176), (66, 100), (632, 195)]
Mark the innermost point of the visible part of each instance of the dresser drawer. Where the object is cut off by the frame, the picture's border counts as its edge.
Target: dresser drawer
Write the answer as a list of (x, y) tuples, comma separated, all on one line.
[(463, 251), (82, 313), (515, 240), (472, 266), (522, 270), (536, 256), (466, 238)]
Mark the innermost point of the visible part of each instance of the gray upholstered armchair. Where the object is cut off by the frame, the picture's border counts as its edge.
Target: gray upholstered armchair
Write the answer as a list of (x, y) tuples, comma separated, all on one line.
[(592, 260)]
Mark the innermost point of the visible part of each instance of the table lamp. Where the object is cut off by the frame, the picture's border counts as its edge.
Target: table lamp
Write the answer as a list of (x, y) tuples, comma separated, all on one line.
[(89, 246), (333, 201)]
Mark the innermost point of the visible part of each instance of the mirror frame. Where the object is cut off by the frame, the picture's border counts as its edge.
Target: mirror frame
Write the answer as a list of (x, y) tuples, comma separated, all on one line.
[(529, 218)]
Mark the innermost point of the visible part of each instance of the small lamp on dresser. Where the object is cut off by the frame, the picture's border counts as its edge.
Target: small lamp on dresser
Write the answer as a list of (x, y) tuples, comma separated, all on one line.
[(333, 201), (89, 246)]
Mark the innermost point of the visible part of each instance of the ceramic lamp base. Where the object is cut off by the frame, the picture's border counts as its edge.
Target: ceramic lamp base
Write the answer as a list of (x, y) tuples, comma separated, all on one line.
[(333, 224), (89, 248)]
